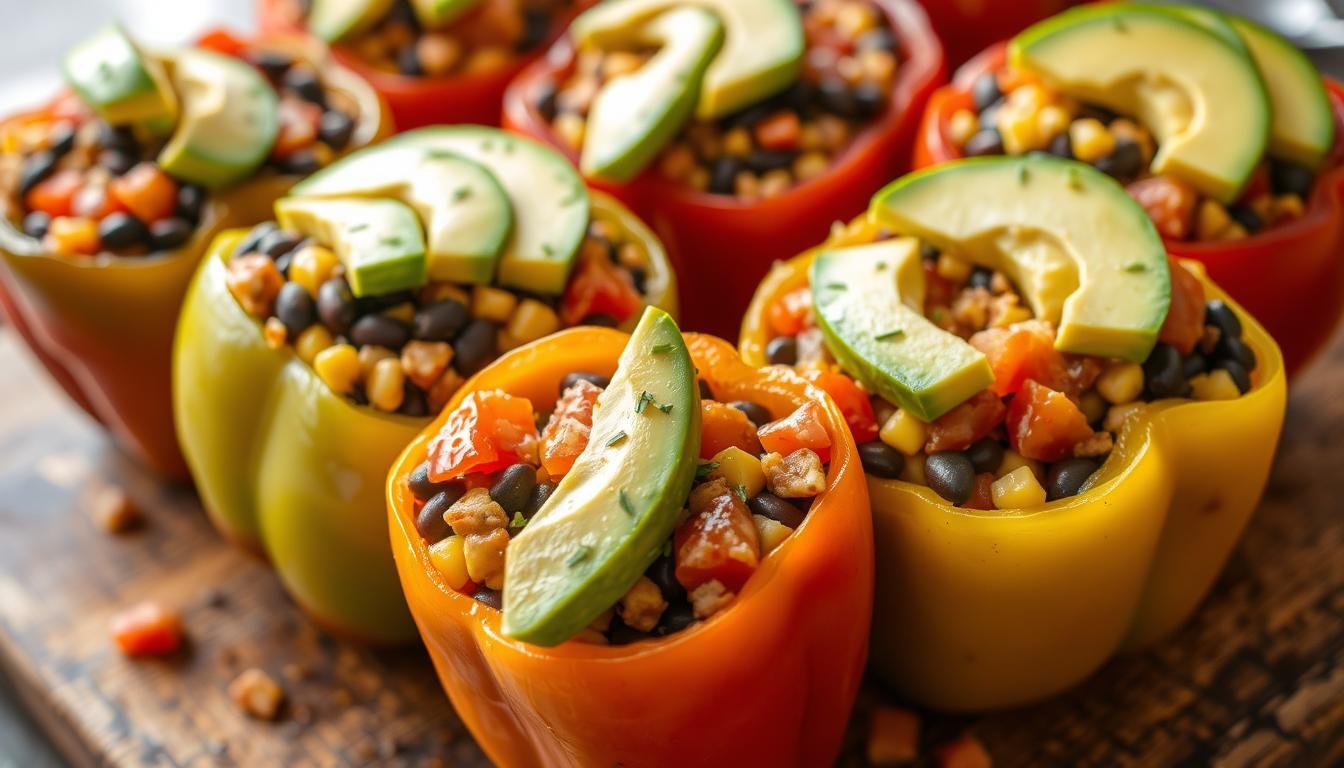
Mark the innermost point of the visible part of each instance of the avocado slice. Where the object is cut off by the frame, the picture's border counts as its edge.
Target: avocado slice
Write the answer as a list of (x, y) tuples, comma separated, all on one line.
[(379, 241), (869, 303), (1302, 126), (1200, 95), (436, 13), (466, 213), (229, 119), (1082, 253), (609, 517), (334, 20), (762, 52), (549, 201), (634, 116), (110, 73)]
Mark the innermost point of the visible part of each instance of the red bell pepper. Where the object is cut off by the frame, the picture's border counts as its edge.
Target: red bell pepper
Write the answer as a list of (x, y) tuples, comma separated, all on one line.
[(725, 246), (420, 101), (1291, 277), (967, 27)]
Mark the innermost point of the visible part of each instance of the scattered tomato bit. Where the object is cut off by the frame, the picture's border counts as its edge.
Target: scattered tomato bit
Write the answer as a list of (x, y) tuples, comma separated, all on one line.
[(723, 426), (792, 313), (257, 694), (147, 629), (566, 434), (718, 542), (1184, 326), (113, 510), (1044, 424), (852, 401), (804, 428), (964, 425), (484, 434)]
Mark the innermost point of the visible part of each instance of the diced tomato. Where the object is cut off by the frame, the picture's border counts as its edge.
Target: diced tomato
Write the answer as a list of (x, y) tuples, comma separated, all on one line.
[(780, 131), (852, 400), (804, 428), (723, 426), (147, 629), (566, 434), (68, 106), (964, 425), (221, 41), (73, 235), (1044, 424), (1184, 326), (982, 496), (1170, 203), (599, 287), (1019, 352), (718, 541), (55, 195), (146, 191), (93, 202), (792, 313), (298, 127), (484, 434)]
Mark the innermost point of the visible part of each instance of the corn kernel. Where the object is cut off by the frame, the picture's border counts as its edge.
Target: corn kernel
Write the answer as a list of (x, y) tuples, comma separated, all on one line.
[(275, 333), (914, 472), (853, 19), (1233, 231), (953, 268), (436, 292), (737, 143), (810, 165), (698, 178), (1215, 385), (1017, 127), (570, 128), (904, 432), (1013, 461), (338, 366), (1030, 96), (494, 304), (311, 267), (1018, 489), (1121, 382), (1211, 219), (403, 313), (1051, 121), (771, 533), (677, 162), (425, 361), (879, 66), (311, 341), (962, 126), (531, 321), (1090, 139), (618, 63), (1288, 207), (740, 469), (450, 562), (1093, 406), (1119, 414), (369, 355), (386, 383)]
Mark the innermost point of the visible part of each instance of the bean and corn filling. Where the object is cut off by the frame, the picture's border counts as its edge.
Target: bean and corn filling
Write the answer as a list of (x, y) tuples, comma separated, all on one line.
[(754, 486), (1015, 114), (408, 352), (1050, 419), (486, 39), (763, 151), (83, 187)]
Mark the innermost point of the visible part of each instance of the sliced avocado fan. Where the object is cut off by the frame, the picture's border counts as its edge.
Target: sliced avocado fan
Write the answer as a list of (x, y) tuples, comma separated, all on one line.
[(110, 73), (379, 241)]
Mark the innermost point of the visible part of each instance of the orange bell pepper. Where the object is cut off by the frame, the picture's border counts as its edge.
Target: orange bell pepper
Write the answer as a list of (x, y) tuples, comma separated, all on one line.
[(785, 658)]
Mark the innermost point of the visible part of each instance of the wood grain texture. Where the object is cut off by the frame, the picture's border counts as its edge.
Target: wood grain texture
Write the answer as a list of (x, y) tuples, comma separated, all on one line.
[(1256, 678)]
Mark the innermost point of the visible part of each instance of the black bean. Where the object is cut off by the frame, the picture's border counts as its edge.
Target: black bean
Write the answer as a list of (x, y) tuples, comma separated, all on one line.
[(749, 117), (868, 99), (1100, 114), (663, 572), (36, 224), (121, 230), (1124, 163), (190, 200), (514, 488), (274, 63), (600, 319), (639, 276), (429, 521), (421, 485), (1240, 376), (982, 278), (536, 28), (365, 305), (756, 413), (621, 633), (414, 402), (167, 234), (408, 61), (1194, 365), (474, 347), (61, 139), (119, 138), (723, 176), (1290, 178), (1232, 348), (595, 379), (1246, 217), (1061, 146), (986, 455), (1164, 373), (951, 475), (380, 331), (403, 14), (985, 91), (881, 460), (278, 242), (798, 97), (705, 392), (782, 350), (929, 251), (295, 308), (1218, 314), (489, 597), (305, 83), (1066, 478), (836, 97), (116, 163), (440, 321), (546, 93), (540, 494), (36, 168), (253, 238), (764, 160), (880, 39), (300, 163), (769, 505), (674, 619), (336, 305), (985, 141), (335, 129)]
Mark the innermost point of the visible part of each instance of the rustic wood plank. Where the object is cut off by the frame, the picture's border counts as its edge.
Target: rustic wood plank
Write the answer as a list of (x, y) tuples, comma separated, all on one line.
[(1257, 678)]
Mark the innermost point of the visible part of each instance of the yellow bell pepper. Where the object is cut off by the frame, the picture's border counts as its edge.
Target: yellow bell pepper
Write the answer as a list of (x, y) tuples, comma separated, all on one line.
[(979, 609)]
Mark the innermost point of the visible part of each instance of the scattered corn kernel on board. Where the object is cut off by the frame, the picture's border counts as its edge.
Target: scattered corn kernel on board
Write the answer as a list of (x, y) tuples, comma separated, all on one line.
[(1256, 678)]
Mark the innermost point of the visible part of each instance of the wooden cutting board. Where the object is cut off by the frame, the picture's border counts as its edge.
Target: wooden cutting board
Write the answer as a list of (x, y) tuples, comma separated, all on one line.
[(1256, 678)]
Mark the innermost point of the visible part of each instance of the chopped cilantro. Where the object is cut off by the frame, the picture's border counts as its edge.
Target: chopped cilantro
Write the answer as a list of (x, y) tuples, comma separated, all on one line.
[(616, 439), (644, 399), (626, 505), (580, 553), (892, 334), (659, 349), (518, 520)]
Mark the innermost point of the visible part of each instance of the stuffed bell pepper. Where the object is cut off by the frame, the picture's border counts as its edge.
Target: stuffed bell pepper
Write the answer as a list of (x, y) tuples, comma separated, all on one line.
[(967, 26), (314, 347), (1064, 429), (637, 550), (740, 129), (1221, 129), (435, 61), (112, 191)]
